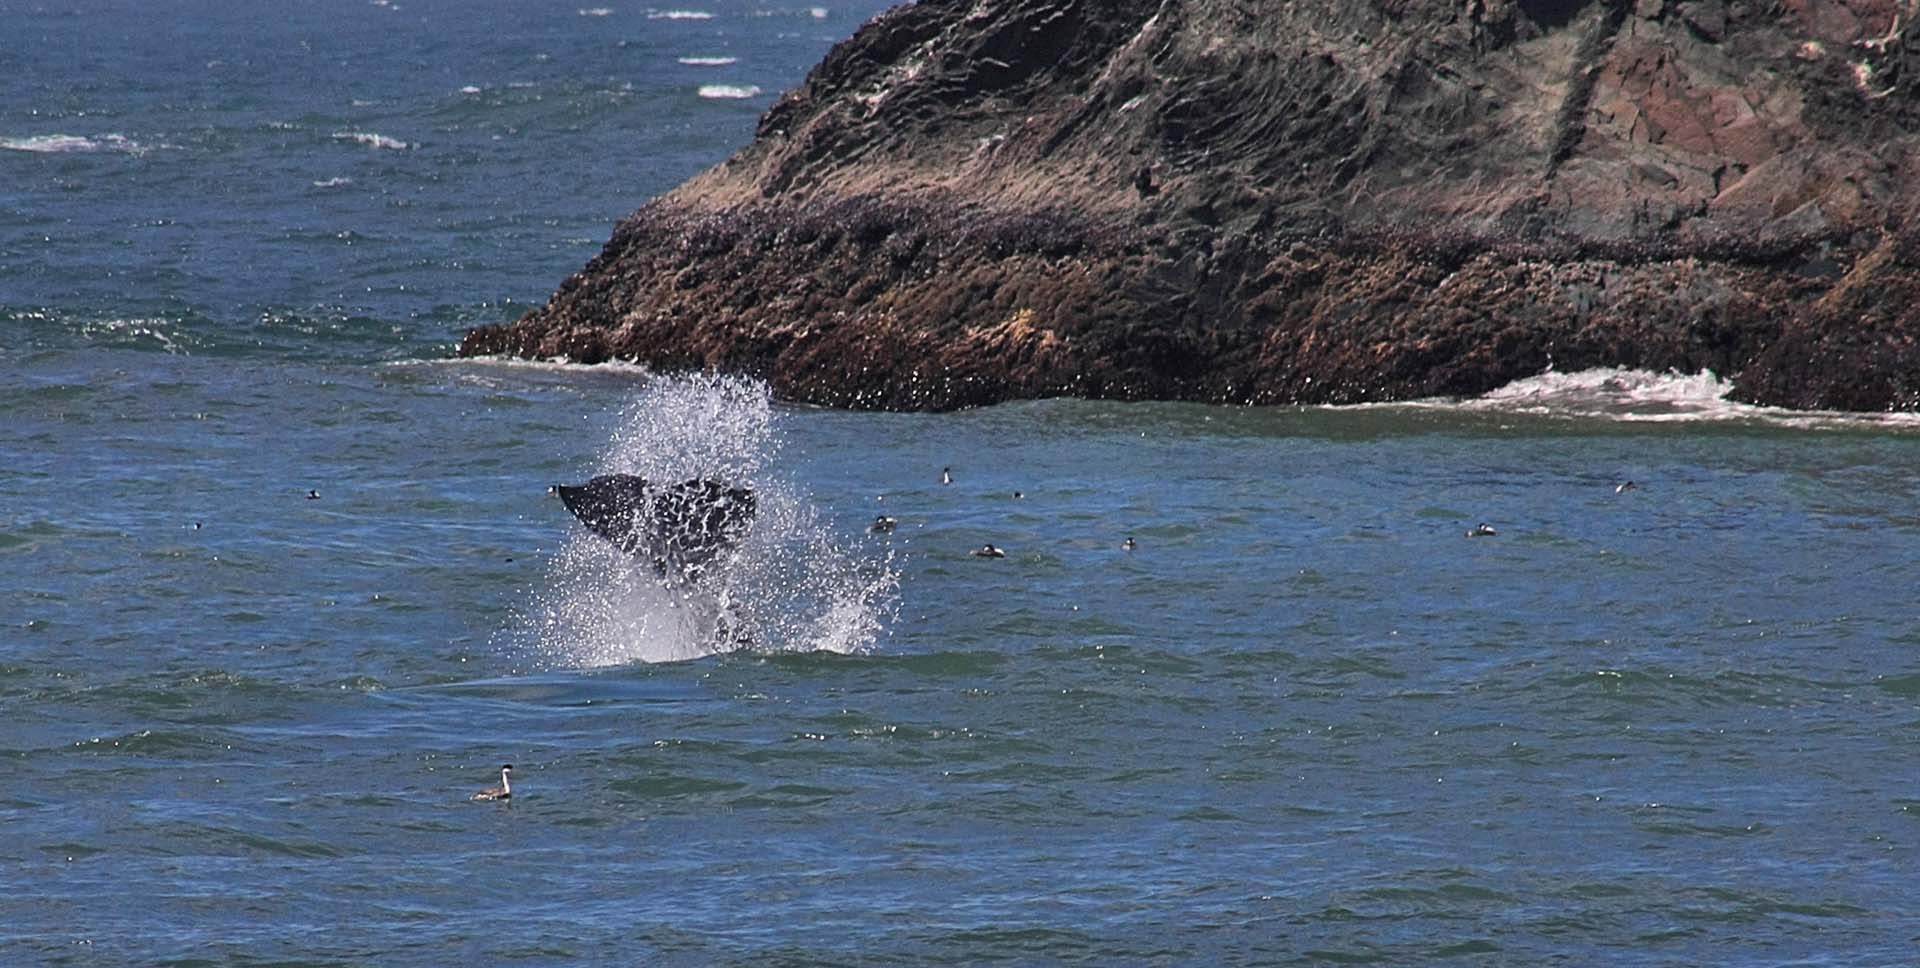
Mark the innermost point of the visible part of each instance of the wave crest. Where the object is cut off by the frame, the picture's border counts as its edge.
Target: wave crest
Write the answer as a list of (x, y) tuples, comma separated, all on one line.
[(61, 144), (729, 92), (372, 140)]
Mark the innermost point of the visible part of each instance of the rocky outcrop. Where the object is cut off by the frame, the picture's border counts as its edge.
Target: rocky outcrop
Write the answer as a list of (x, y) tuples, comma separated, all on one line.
[(1307, 201)]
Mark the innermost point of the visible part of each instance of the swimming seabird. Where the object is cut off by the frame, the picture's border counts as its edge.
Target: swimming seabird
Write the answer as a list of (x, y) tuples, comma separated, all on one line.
[(313, 495), (1482, 530), (1128, 544), (946, 475), (502, 792), (989, 551), (884, 525), (1624, 487)]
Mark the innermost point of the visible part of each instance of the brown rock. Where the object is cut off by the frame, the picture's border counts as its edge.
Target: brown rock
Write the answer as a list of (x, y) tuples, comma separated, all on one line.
[(1307, 201)]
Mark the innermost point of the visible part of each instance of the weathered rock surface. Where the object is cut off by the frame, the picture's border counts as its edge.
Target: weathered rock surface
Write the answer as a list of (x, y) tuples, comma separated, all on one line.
[(1312, 201)]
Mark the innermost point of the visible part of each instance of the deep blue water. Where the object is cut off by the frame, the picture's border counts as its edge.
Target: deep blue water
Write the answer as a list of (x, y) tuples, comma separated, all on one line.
[(1307, 720)]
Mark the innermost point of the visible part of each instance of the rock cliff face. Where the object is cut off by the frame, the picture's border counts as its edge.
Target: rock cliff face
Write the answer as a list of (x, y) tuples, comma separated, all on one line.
[(1295, 201)]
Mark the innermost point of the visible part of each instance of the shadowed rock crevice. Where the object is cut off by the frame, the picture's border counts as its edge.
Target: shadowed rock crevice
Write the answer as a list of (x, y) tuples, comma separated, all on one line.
[(1292, 202)]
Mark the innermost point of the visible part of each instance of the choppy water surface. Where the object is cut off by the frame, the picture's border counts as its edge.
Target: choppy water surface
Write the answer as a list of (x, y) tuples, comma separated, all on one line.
[(1306, 720)]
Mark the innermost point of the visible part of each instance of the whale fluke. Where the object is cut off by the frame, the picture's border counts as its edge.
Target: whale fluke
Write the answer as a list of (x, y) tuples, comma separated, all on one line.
[(680, 527)]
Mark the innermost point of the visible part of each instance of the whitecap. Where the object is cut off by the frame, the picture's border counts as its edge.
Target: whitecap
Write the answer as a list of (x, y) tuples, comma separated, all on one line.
[(596, 11), (372, 140), (679, 15), (59, 144), (729, 92), (166, 335), (335, 182), (819, 13), (470, 89), (708, 61)]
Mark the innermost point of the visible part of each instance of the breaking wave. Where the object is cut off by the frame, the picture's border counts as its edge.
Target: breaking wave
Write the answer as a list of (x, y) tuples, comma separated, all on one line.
[(729, 92), (1645, 396), (61, 144), (794, 585), (372, 140)]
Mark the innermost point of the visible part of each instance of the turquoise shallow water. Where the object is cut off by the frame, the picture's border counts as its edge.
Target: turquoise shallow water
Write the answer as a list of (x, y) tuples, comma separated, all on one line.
[(1308, 720)]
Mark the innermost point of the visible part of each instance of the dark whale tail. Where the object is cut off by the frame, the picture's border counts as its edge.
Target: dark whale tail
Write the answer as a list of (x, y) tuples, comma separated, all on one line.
[(680, 527)]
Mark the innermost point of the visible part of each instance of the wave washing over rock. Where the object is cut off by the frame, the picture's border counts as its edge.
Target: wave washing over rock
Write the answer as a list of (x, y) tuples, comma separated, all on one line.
[(1643, 396), (1307, 202), (793, 585)]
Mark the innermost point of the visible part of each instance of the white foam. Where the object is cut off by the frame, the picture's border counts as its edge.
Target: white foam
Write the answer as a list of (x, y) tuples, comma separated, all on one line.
[(470, 89), (60, 144), (596, 11), (338, 182), (1644, 396), (819, 13), (708, 61), (729, 92), (679, 15), (372, 140), (165, 335), (553, 365), (1609, 389), (793, 585)]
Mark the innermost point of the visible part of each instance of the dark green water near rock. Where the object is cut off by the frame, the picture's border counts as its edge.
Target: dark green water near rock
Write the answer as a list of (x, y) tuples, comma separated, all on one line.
[(1306, 720)]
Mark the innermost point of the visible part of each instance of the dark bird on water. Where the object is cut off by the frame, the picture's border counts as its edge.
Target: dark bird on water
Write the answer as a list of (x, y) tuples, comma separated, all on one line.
[(989, 551), (502, 792), (1482, 530), (313, 495), (1128, 544), (682, 528), (884, 525), (946, 475), (1626, 486)]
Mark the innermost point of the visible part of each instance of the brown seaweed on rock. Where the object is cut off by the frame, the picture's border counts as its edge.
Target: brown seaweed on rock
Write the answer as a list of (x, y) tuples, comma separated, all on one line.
[(1320, 202)]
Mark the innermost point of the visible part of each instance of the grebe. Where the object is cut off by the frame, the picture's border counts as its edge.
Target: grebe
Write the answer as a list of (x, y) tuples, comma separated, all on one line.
[(502, 792)]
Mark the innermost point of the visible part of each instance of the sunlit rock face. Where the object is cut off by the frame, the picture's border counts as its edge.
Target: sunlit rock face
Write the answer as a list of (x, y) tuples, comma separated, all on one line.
[(1313, 201)]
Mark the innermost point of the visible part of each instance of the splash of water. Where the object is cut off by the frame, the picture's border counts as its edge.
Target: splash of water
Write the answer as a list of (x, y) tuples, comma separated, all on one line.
[(792, 585)]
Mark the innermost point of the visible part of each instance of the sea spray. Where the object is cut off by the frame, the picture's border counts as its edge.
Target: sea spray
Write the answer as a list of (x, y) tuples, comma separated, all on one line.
[(792, 585)]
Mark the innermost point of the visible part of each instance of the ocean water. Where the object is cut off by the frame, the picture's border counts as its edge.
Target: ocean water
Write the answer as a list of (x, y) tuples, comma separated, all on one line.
[(280, 584)]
